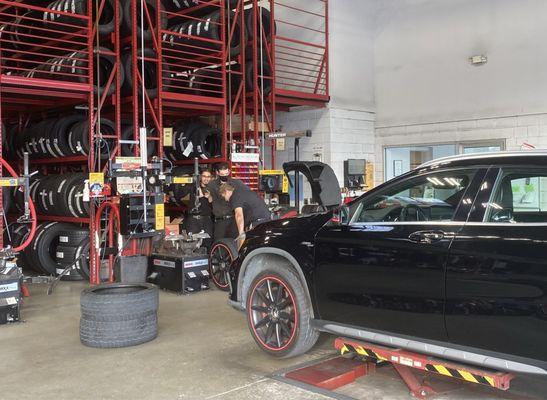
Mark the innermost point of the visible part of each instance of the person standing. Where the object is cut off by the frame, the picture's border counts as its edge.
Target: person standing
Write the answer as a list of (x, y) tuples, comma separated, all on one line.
[(224, 225), (248, 207), (199, 216)]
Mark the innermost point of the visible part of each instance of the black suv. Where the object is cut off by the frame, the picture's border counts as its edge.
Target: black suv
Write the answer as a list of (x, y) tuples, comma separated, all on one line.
[(449, 260)]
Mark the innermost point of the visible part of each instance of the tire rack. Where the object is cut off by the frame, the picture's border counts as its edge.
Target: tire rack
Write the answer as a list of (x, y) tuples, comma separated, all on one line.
[(21, 96), (25, 90), (183, 59), (298, 75)]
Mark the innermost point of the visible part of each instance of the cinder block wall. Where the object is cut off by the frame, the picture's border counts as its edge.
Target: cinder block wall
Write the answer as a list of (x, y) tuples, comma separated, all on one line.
[(514, 131), (337, 134)]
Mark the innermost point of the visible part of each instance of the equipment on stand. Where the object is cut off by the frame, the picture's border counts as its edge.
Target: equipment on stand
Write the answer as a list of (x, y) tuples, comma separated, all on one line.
[(297, 136), (11, 276), (180, 264), (11, 281), (355, 173)]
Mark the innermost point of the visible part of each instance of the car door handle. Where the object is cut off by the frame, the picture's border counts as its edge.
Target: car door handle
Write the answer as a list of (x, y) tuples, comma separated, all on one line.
[(426, 237)]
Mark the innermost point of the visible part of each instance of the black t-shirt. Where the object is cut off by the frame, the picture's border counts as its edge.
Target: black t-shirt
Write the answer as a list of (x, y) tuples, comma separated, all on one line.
[(253, 205), (221, 208)]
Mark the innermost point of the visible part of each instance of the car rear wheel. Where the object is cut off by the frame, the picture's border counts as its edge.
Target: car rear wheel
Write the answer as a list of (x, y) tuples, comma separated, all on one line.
[(279, 313), (223, 253)]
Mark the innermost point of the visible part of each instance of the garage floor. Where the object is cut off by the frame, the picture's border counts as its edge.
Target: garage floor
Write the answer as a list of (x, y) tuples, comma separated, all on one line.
[(203, 351)]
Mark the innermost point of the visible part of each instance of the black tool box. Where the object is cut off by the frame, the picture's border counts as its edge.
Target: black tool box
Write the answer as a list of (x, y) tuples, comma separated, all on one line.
[(11, 280), (181, 274)]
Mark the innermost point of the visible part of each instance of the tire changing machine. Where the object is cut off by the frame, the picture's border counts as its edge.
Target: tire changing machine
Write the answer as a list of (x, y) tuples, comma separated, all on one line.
[(12, 289)]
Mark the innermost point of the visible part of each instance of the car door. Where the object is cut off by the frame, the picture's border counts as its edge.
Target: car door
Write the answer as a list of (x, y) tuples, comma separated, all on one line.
[(497, 268), (385, 269)]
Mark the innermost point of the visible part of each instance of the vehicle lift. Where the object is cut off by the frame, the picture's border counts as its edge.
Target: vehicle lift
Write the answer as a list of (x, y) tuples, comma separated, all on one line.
[(340, 371)]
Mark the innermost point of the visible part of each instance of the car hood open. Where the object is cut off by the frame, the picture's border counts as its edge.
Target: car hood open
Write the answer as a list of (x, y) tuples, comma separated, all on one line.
[(324, 184)]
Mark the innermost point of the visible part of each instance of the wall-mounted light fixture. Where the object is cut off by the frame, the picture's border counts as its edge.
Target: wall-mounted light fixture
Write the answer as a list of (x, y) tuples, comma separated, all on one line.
[(478, 60)]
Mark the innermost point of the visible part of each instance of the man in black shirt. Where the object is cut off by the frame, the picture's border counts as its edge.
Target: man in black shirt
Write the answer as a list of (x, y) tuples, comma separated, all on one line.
[(225, 226), (199, 217), (249, 209)]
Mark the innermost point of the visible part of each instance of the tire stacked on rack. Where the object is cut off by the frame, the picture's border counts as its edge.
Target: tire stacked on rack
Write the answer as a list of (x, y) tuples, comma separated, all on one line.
[(195, 139), (206, 82), (150, 72), (78, 138), (127, 22), (207, 27), (23, 29), (266, 25), (60, 137), (5, 50), (128, 150), (73, 67), (73, 249), (106, 22), (263, 82), (40, 254), (55, 246), (59, 195)]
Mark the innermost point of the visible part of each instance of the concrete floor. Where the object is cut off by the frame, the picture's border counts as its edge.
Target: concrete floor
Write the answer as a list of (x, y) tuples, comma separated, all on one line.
[(203, 351)]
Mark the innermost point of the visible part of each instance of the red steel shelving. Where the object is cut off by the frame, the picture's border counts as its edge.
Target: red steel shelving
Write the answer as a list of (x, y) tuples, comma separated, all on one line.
[(193, 76)]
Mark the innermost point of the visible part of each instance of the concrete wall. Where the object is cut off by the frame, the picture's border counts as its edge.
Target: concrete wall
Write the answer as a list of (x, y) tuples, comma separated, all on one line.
[(422, 72)]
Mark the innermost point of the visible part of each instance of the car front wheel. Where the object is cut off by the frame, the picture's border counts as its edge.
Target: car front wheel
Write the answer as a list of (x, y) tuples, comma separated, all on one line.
[(279, 313)]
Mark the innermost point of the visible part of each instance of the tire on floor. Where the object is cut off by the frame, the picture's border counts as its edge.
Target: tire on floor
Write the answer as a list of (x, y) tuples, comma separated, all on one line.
[(119, 315)]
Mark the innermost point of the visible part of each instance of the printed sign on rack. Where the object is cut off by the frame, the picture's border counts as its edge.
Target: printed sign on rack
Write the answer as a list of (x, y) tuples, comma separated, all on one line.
[(246, 157)]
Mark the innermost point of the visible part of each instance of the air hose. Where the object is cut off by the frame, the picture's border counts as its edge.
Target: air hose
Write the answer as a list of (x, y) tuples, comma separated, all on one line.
[(30, 236)]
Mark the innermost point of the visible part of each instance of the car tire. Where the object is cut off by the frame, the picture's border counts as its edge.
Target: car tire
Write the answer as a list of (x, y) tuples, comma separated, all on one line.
[(73, 237), (223, 253), (41, 254), (281, 327), (119, 315)]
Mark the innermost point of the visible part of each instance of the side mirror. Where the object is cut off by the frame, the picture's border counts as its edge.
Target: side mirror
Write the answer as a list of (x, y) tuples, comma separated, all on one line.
[(340, 215)]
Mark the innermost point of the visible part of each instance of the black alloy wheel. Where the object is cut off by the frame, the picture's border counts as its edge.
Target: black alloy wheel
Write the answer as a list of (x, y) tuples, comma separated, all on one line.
[(273, 314), (221, 257)]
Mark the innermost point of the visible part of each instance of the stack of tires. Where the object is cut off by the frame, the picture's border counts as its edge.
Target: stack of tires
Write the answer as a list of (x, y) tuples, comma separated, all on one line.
[(207, 27), (59, 21), (119, 315), (73, 248), (59, 195), (55, 246), (58, 137), (150, 72), (195, 139), (128, 149), (73, 67)]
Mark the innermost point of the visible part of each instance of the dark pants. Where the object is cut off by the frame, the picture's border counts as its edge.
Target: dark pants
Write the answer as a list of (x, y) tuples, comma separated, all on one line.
[(225, 228)]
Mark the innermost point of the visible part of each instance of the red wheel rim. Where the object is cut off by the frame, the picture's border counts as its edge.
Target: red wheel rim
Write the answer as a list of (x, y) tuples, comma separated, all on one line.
[(220, 260), (272, 313)]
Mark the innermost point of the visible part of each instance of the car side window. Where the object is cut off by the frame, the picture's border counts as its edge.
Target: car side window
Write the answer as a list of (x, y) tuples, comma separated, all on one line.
[(519, 196), (431, 197)]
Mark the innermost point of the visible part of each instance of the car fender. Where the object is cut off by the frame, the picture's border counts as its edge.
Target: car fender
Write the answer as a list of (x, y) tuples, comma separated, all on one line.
[(243, 284)]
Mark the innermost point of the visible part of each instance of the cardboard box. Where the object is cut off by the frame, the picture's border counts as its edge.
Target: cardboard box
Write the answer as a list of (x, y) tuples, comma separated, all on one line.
[(172, 226)]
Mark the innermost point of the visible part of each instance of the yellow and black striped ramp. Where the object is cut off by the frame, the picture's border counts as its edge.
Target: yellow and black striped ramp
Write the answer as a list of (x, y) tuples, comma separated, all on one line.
[(495, 379), (461, 374), (362, 351)]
